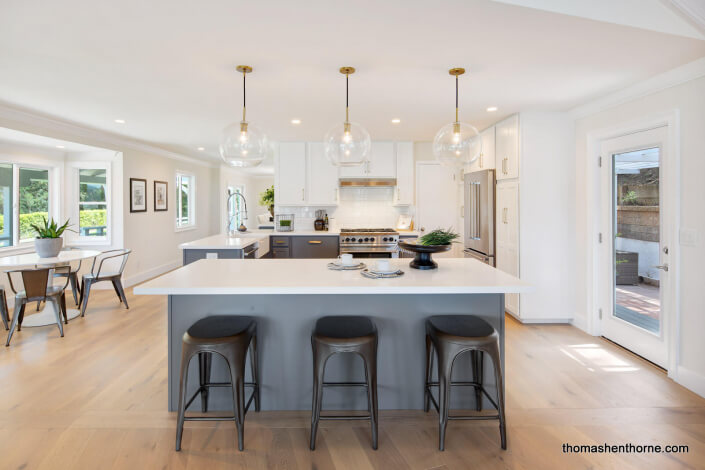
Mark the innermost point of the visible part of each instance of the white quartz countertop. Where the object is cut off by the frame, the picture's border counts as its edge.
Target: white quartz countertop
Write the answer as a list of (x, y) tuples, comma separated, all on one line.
[(311, 276), (224, 242)]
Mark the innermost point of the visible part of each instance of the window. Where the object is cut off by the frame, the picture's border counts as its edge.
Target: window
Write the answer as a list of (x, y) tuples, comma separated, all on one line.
[(30, 187), (235, 207), (185, 195), (93, 203)]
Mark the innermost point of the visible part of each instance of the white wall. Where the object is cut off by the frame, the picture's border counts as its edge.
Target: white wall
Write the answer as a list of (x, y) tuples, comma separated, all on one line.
[(689, 99), (152, 236)]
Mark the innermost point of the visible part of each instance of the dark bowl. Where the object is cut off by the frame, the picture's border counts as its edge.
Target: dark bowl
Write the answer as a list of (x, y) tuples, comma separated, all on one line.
[(416, 248)]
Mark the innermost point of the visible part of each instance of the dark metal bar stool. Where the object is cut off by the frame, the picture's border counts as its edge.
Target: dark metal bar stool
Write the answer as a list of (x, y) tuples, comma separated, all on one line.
[(450, 336), (229, 336), (344, 334)]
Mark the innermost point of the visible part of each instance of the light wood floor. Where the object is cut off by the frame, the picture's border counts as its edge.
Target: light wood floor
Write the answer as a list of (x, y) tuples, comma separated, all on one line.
[(96, 400)]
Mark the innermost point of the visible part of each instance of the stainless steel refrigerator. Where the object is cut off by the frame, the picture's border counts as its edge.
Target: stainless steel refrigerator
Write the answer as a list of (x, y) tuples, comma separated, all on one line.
[(480, 216)]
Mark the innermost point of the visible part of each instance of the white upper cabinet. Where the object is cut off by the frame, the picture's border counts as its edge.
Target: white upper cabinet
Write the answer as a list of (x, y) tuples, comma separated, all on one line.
[(507, 148), (290, 174), (381, 164), (486, 159), (404, 192), (322, 177)]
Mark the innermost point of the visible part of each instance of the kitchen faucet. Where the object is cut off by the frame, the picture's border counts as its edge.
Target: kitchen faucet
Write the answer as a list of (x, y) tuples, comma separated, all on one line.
[(242, 227)]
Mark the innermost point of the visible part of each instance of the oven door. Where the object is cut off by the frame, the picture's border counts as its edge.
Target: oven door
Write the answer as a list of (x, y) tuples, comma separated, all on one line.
[(370, 251)]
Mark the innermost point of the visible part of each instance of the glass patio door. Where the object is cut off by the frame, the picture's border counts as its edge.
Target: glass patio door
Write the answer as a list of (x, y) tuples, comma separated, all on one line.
[(634, 255)]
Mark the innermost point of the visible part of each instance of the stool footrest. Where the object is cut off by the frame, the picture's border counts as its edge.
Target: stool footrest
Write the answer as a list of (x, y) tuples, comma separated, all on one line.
[(345, 384), (209, 418), (345, 417), (472, 384)]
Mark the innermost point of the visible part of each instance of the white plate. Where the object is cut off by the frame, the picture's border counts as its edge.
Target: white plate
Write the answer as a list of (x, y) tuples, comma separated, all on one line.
[(341, 265), (377, 271)]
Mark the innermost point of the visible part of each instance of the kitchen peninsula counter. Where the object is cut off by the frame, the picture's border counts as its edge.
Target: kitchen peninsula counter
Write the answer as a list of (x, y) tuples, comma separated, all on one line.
[(288, 295)]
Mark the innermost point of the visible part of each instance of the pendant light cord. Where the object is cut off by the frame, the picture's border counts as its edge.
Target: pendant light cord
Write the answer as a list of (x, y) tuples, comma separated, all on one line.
[(347, 99), (244, 94), (456, 98)]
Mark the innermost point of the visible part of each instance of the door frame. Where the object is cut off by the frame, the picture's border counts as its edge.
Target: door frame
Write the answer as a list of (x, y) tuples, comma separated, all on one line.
[(672, 202)]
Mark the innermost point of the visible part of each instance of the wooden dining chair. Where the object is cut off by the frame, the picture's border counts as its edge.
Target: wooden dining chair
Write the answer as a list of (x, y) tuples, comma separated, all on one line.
[(111, 273), (37, 289)]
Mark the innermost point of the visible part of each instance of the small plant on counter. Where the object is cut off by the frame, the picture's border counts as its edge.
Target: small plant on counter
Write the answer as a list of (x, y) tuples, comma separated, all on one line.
[(50, 229), (439, 237)]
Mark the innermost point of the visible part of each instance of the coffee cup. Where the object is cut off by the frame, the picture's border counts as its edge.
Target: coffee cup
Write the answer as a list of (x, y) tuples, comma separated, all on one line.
[(346, 259), (382, 265)]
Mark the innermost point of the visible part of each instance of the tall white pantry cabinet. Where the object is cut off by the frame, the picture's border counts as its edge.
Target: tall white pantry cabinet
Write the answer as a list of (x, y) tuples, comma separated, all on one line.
[(535, 172)]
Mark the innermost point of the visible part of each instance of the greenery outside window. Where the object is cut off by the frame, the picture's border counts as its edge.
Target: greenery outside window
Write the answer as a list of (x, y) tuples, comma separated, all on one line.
[(185, 197), (24, 200)]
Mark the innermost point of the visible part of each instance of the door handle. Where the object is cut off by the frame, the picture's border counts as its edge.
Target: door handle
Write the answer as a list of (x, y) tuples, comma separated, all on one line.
[(314, 242), (662, 267)]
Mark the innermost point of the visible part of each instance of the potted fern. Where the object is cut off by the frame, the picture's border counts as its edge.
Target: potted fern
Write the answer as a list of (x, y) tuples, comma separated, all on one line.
[(48, 242)]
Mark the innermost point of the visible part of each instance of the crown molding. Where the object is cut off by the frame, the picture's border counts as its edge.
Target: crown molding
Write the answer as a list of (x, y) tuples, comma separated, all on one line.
[(671, 78), (15, 117)]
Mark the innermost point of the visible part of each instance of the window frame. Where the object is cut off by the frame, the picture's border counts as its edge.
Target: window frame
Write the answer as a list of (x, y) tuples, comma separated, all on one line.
[(54, 178), (75, 199), (191, 225)]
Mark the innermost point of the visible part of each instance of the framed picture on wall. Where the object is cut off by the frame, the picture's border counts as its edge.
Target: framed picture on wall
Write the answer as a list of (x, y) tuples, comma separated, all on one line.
[(161, 198), (138, 195)]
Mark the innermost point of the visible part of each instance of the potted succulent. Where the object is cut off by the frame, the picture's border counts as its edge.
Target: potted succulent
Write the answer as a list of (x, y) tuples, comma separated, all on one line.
[(433, 242), (48, 243), (266, 199)]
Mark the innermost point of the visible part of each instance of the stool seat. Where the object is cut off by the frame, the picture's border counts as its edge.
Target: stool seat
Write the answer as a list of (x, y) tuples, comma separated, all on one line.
[(344, 327), (220, 326), (464, 326)]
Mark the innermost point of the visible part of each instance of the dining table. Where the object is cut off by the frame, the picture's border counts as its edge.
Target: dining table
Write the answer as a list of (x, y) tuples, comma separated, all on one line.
[(33, 261)]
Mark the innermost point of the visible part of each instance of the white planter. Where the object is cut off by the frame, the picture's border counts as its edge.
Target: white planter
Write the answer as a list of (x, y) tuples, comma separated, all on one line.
[(48, 247)]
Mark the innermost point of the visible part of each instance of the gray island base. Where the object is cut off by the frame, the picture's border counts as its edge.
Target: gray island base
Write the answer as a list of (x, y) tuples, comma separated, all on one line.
[(287, 296)]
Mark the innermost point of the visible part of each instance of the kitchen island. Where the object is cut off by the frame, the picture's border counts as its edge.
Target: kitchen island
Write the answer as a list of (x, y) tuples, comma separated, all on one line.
[(288, 295), (222, 246)]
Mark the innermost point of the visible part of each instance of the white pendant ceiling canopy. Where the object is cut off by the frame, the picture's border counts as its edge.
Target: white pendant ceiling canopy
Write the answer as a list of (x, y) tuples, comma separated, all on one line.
[(347, 144), (457, 143), (244, 145)]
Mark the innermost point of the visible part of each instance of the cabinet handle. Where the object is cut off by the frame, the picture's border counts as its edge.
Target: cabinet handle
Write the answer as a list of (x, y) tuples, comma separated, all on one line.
[(314, 242), (398, 194), (278, 241), (504, 215), (481, 155), (335, 194), (303, 194)]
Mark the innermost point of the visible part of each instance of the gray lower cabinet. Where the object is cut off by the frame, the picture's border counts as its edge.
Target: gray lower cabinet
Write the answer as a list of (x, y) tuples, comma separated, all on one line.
[(280, 247), (191, 255), (314, 247)]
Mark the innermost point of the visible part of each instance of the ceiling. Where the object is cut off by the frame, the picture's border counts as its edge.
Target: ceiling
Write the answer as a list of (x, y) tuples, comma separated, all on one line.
[(167, 67), (24, 139)]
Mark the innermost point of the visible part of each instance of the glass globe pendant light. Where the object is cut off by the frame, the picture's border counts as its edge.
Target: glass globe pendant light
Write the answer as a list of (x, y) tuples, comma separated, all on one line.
[(457, 143), (349, 144), (243, 145)]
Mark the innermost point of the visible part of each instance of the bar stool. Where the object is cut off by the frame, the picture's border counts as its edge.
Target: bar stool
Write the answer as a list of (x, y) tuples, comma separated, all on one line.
[(450, 336), (229, 336), (344, 334)]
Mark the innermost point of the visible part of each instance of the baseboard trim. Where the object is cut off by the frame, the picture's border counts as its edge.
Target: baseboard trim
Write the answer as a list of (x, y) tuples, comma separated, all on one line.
[(580, 323), (691, 380), (533, 321), (150, 273)]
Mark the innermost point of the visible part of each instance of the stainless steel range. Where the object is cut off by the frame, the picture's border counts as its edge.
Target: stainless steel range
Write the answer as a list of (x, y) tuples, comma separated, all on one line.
[(370, 242)]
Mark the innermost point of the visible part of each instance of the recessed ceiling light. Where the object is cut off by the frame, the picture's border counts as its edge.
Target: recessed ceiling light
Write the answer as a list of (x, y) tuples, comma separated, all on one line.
[(201, 149), (396, 121), (60, 146), (296, 121), (120, 121), (492, 109)]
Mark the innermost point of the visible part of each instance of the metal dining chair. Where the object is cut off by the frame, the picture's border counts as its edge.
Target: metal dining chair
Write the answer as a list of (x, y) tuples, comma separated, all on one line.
[(107, 274), (37, 289), (3, 309), (73, 277)]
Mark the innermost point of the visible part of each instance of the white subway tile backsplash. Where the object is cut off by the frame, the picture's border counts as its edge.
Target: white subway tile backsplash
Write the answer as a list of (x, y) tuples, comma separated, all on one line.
[(357, 207)]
